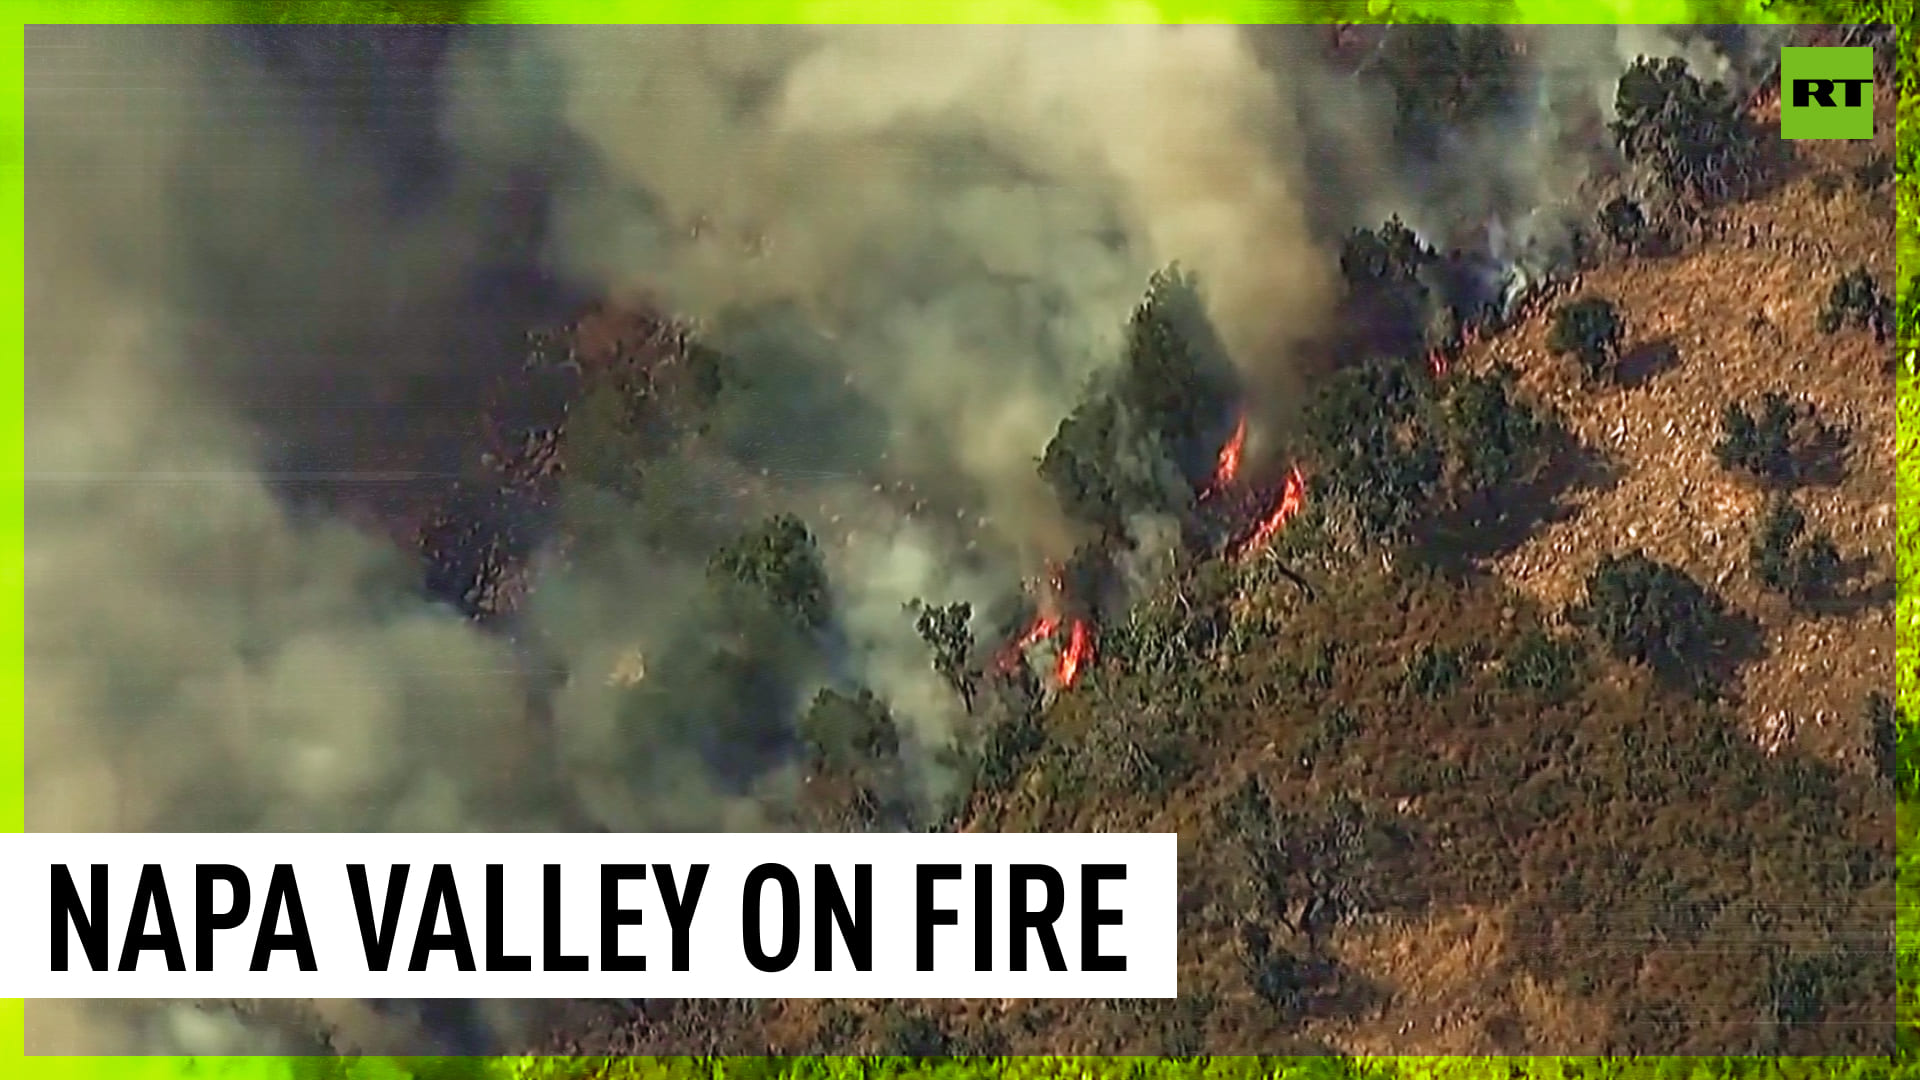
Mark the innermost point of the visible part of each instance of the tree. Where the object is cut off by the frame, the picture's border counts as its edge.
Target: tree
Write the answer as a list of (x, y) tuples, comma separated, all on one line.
[(1624, 223), (851, 733), (1497, 439), (1176, 376), (1855, 299), (1804, 569), (1655, 614), (1144, 436), (948, 631), (1447, 76), (1766, 446), (1590, 330), (780, 561), (1694, 137), (1384, 270)]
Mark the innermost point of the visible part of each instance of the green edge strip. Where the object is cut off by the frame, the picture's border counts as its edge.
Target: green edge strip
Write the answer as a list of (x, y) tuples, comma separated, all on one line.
[(1540, 12)]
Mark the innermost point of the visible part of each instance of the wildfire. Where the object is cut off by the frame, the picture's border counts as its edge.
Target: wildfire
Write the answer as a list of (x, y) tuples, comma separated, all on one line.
[(1293, 497), (1077, 654), (1043, 627), (1229, 465), (1437, 363)]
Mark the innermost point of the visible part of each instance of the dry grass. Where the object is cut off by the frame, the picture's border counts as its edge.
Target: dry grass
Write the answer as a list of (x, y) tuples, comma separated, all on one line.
[(1740, 320)]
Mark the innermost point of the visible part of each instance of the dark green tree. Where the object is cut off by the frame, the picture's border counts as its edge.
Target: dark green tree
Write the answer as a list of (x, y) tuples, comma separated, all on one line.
[(1374, 449), (1765, 446), (780, 561), (1497, 438), (1176, 377), (1802, 568), (1655, 614), (1388, 298), (1590, 330), (948, 631), (1693, 136), (1855, 299), (850, 732), (1143, 438), (1624, 223)]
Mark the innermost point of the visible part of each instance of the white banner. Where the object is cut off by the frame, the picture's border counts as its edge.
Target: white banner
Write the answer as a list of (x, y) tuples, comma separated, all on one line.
[(585, 915)]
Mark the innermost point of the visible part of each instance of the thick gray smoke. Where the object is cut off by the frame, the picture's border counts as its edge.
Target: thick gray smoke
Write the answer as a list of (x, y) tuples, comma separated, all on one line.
[(264, 312)]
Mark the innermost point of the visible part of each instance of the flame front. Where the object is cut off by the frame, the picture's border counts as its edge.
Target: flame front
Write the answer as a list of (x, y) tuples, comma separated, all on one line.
[(1229, 464), (1075, 657), (1293, 497)]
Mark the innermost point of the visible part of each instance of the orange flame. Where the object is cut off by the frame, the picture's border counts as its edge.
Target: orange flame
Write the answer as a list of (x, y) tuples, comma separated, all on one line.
[(1229, 465), (1075, 657), (1437, 363), (1293, 497)]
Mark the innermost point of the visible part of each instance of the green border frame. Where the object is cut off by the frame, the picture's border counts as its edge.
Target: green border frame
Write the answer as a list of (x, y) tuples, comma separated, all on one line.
[(14, 1063)]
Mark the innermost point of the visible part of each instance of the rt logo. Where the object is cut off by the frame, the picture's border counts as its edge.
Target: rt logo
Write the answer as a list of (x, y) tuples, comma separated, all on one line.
[(1826, 93)]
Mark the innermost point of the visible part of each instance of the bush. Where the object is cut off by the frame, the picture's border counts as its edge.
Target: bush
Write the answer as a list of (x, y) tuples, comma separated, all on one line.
[(1652, 613), (1896, 745), (1590, 330), (1433, 672), (1541, 663)]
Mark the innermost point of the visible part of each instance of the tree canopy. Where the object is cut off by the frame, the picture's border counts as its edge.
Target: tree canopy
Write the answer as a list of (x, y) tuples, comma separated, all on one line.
[(1143, 437), (1590, 330), (1656, 614), (1693, 136), (780, 561)]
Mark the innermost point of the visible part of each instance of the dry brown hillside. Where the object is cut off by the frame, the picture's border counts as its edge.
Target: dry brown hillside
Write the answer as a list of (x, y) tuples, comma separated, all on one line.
[(1607, 867), (1729, 320)]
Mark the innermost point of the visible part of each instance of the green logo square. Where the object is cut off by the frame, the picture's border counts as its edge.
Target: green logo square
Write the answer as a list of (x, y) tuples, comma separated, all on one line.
[(1826, 93)]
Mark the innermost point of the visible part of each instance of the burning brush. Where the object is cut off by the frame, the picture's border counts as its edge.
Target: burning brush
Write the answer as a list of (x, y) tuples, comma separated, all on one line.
[(1073, 655), (1072, 635)]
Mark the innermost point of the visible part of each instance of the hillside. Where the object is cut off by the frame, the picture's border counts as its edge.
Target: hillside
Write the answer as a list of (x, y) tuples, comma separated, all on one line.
[(1424, 812)]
